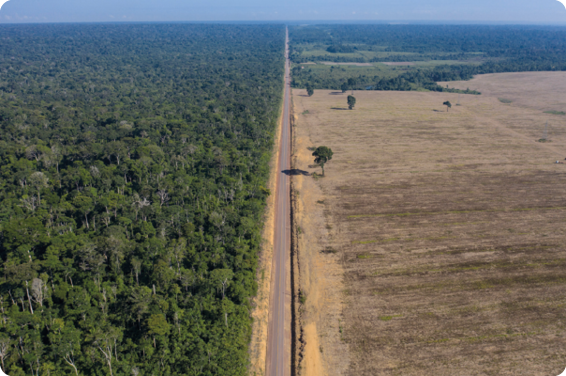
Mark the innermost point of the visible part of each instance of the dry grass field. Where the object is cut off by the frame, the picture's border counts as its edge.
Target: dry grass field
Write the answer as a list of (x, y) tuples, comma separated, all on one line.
[(538, 90), (436, 243)]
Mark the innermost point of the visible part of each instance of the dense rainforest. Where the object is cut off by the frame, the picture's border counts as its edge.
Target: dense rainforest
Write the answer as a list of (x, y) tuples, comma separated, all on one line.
[(133, 162), (466, 51)]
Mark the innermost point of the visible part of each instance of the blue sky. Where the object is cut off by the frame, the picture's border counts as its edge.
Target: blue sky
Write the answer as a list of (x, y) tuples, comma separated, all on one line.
[(530, 11)]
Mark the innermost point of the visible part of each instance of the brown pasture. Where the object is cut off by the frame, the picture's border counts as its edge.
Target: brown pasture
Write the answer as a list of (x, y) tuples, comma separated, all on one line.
[(436, 243), (538, 90)]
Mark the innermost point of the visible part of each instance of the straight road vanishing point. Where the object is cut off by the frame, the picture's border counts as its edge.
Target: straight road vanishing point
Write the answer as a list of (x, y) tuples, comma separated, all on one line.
[(278, 358)]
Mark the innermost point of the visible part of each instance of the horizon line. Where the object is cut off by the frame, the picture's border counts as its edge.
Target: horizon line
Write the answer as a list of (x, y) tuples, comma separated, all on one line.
[(301, 22)]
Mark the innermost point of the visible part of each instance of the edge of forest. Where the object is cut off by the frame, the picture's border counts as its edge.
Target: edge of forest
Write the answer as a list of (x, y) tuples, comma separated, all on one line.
[(260, 313)]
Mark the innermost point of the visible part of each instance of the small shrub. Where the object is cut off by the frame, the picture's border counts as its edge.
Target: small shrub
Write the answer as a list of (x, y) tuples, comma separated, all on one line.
[(506, 101), (329, 250)]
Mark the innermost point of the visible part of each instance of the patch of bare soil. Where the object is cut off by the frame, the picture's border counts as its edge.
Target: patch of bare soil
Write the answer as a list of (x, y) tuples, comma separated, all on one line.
[(320, 279), (449, 228)]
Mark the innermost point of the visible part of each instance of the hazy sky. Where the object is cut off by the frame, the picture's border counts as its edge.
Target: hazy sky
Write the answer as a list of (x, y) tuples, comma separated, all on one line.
[(531, 11)]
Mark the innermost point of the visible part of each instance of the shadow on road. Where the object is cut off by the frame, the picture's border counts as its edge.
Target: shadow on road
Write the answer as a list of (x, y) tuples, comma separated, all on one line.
[(295, 172)]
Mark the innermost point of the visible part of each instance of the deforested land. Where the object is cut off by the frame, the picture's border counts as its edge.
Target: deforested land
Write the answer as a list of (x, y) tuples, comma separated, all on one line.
[(435, 244), (134, 166)]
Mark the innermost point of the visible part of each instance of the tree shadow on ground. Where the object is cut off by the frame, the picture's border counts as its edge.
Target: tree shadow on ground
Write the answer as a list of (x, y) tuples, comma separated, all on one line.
[(295, 172), (336, 93), (340, 109)]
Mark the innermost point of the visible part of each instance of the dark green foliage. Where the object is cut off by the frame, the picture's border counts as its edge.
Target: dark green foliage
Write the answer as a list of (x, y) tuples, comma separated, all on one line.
[(341, 49), (133, 162), (351, 102), (448, 105), (310, 90), (472, 49), (322, 155)]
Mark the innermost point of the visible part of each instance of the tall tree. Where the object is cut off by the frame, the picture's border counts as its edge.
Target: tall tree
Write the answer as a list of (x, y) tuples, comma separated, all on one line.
[(351, 102), (310, 90), (322, 156)]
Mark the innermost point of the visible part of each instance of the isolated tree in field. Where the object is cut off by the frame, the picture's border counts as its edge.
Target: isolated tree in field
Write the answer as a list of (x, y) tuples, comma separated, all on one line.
[(351, 102), (310, 91), (322, 155), (448, 105), (344, 87)]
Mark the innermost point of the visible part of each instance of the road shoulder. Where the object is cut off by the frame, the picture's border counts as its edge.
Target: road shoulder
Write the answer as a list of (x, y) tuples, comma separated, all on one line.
[(321, 351)]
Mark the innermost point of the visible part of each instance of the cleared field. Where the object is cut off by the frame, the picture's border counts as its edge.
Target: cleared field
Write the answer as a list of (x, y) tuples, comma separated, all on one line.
[(436, 244), (539, 90)]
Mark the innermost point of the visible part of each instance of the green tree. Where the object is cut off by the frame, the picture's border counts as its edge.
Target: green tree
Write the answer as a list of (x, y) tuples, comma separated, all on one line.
[(448, 105), (4, 349), (351, 84), (310, 90), (344, 87), (351, 102), (221, 278), (322, 156), (85, 205), (158, 326), (38, 180), (66, 343)]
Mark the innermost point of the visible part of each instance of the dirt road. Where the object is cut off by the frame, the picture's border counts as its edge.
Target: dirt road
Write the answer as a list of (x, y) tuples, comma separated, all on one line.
[(278, 342)]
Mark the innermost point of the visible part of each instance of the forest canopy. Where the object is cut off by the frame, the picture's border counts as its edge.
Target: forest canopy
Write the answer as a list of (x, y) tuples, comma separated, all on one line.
[(431, 53), (133, 162)]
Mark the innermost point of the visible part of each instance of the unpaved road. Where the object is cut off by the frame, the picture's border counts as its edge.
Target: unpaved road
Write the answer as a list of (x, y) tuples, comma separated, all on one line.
[(278, 343)]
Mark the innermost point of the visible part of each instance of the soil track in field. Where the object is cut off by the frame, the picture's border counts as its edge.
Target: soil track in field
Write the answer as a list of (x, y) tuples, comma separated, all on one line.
[(445, 234)]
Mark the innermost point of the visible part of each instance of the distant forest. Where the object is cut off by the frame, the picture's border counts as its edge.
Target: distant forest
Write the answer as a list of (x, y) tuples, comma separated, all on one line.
[(468, 50), (133, 162)]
